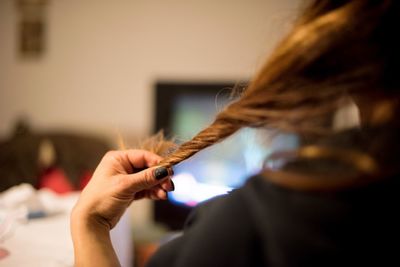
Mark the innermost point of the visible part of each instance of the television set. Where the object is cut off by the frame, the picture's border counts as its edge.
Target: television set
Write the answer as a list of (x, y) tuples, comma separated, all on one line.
[(182, 110)]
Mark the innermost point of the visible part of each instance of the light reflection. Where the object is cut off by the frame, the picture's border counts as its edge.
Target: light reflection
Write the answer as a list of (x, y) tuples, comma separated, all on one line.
[(190, 192)]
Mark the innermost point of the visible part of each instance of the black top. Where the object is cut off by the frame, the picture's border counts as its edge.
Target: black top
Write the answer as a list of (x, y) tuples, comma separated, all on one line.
[(263, 224)]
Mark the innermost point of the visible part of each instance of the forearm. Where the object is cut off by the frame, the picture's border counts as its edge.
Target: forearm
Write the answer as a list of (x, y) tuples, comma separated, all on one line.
[(92, 243)]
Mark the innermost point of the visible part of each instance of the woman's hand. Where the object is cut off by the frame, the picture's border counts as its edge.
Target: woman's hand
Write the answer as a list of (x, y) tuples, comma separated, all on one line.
[(118, 180)]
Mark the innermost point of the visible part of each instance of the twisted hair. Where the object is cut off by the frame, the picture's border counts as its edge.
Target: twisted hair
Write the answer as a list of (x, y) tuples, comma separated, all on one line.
[(335, 49)]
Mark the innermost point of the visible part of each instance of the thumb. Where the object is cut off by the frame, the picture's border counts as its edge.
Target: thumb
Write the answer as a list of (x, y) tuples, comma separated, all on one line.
[(148, 178)]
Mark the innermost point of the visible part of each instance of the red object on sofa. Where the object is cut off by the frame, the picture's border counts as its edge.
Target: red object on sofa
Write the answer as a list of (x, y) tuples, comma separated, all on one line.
[(56, 180)]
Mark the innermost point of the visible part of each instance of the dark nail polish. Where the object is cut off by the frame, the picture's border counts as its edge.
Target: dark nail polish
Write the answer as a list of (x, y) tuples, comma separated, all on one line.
[(161, 173), (166, 194), (173, 186)]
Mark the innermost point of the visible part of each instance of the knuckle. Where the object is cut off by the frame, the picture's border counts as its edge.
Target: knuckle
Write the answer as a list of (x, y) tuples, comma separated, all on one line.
[(110, 154)]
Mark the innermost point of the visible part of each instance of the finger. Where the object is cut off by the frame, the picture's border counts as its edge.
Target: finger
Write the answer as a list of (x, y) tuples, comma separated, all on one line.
[(148, 178), (159, 193), (131, 160), (140, 159), (167, 185)]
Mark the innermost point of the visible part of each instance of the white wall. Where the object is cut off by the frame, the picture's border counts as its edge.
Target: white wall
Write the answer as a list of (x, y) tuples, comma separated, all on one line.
[(103, 57)]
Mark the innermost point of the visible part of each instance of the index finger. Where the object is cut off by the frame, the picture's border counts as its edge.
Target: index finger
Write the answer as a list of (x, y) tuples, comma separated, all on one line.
[(140, 159)]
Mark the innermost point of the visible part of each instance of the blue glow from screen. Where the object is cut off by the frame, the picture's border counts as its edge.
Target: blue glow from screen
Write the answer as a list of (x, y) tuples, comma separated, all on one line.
[(224, 166)]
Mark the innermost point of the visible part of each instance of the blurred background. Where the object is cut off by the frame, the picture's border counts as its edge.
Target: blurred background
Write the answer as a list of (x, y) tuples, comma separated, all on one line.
[(100, 58), (76, 75)]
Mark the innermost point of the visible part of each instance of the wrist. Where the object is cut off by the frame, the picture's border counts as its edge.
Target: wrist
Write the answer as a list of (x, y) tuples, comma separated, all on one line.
[(91, 240), (85, 219)]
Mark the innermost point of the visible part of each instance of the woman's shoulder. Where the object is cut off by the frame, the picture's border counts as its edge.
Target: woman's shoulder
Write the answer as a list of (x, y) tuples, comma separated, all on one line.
[(219, 232), (357, 224)]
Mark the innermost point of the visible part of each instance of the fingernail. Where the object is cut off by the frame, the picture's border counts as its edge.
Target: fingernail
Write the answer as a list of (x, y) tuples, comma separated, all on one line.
[(166, 194), (161, 173), (173, 186)]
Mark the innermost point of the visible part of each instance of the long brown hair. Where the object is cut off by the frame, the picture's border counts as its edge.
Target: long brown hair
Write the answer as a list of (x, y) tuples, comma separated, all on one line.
[(335, 49)]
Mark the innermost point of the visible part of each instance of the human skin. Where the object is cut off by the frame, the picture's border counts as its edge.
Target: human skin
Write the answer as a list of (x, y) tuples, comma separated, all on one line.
[(116, 182)]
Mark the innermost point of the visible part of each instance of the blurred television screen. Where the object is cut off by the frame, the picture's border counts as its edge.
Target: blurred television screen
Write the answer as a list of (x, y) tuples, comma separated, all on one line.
[(225, 166)]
